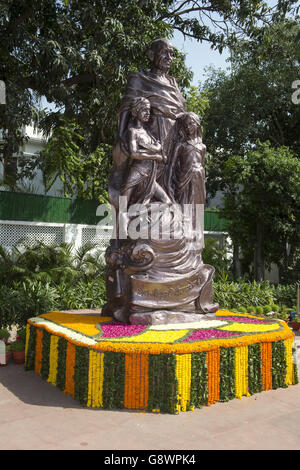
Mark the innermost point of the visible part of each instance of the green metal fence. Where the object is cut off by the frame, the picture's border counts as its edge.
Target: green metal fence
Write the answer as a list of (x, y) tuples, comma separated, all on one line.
[(213, 222), (38, 208)]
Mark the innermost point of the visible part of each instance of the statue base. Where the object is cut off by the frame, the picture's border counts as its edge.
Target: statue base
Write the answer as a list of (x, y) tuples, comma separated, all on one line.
[(111, 365), (173, 285), (167, 317)]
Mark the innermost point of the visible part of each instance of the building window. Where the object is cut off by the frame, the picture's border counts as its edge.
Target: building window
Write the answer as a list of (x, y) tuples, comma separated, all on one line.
[(10, 171)]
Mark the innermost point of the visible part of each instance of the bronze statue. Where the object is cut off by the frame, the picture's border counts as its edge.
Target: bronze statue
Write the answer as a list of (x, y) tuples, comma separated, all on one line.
[(145, 151), (155, 272), (188, 162)]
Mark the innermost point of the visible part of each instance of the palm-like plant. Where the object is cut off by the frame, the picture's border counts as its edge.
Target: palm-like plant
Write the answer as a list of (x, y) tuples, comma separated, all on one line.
[(89, 261), (54, 264)]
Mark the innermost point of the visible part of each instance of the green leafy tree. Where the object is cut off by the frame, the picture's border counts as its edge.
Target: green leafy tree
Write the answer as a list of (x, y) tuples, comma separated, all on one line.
[(262, 205), (82, 175), (196, 101), (253, 100), (78, 55), (62, 155)]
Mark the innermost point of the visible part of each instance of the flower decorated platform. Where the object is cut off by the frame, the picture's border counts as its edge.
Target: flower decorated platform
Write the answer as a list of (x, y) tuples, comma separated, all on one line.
[(168, 368)]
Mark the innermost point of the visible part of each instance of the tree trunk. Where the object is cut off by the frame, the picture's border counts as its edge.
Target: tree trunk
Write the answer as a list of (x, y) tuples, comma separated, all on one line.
[(286, 274), (259, 264), (236, 261)]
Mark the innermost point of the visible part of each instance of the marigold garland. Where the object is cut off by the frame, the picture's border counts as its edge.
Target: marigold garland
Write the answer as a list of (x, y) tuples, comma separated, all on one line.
[(53, 359), (176, 374), (61, 363), (38, 352), (288, 343), (183, 374), (213, 363), (27, 340), (266, 353), (129, 381), (70, 364), (136, 381), (96, 375), (241, 371), (90, 382), (30, 356), (179, 348)]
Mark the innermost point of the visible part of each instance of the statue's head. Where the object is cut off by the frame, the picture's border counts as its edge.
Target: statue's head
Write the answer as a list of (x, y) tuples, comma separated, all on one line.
[(161, 54), (189, 124), (140, 108)]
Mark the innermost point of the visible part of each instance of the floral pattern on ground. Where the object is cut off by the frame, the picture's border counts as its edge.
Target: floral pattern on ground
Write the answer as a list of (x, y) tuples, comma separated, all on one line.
[(199, 335), (249, 320), (85, 324), (116, 329), (98, 330), (251, 327)]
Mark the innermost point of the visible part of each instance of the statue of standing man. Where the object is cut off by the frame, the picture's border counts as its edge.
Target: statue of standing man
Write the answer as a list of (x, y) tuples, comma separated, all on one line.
[(156, 279), (166, 102)]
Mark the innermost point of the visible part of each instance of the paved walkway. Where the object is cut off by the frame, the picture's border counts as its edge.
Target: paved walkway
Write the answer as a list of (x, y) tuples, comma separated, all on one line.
[(36, 415)]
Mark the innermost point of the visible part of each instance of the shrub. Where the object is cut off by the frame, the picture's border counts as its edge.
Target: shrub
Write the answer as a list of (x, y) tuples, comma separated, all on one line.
[(249, 294), (82, 295), (21, 333), (267, 308), (17, 346), (55, 264), (283, 315), (217, 257), (259, 310), (4, 334), (28, 299), (24, 300), (275, 308), (286, 294)]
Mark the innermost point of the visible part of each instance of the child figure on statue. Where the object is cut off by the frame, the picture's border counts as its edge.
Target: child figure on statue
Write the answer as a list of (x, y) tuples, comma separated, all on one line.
[(187, 176), (188, 162), (145, 151)]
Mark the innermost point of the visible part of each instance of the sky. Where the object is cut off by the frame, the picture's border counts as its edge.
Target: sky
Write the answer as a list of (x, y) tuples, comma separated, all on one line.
[(199, 55)]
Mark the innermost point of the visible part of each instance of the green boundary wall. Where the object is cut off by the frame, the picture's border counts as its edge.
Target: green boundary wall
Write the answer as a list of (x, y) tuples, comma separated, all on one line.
[(39, 208)]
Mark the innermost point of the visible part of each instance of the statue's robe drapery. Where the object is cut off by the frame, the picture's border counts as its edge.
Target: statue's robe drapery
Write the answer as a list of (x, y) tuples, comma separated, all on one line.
[(166, 102), (141, 176), (176, 275), (188, 174)]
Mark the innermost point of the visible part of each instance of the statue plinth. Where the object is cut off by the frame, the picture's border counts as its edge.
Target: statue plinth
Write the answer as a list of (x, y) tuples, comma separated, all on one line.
[(168, 317)]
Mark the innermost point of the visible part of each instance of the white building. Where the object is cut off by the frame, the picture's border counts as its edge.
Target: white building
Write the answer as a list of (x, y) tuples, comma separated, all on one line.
[(33, 143)]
